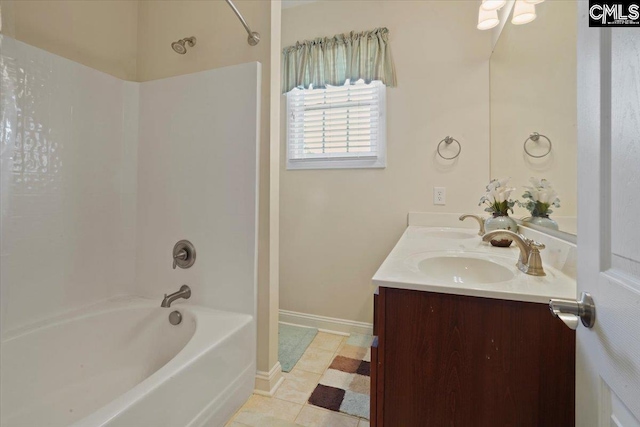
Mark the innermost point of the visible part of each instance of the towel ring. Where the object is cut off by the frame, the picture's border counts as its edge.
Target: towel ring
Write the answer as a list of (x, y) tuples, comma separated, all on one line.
[(535, 137), (448, 140)]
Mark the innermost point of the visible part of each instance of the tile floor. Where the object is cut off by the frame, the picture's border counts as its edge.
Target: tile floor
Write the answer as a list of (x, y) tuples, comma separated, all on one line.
[(289, 407)]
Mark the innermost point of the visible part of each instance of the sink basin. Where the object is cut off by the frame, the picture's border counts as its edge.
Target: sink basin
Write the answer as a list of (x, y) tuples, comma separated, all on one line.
[(448, 270)]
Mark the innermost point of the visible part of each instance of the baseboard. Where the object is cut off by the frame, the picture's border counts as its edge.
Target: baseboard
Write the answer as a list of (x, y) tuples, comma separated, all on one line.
[(268, 382), (328, 324)]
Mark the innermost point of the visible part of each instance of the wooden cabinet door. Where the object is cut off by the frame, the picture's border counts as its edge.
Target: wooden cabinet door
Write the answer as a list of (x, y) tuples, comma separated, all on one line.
[(452, 360)]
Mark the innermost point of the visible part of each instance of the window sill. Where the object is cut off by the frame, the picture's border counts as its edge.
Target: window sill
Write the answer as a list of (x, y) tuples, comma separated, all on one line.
[(376, 163)]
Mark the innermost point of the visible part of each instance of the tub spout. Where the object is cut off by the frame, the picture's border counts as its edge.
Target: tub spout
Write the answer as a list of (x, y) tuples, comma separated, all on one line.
[(184, 292)]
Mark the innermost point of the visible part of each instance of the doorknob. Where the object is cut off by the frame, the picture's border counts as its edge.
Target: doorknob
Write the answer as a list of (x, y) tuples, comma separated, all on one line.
[(569, 311)]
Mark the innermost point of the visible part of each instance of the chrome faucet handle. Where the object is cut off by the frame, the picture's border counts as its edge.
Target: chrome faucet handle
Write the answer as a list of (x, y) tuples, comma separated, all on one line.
[(535, 244), (534, 263), (181, 255), (532, 243)]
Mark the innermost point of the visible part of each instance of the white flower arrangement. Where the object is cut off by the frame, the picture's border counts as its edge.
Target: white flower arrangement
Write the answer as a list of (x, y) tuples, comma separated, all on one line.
[(539, 198), (497, 197)]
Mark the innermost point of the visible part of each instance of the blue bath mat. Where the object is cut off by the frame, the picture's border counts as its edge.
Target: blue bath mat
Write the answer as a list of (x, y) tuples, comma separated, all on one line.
[(292, 342)]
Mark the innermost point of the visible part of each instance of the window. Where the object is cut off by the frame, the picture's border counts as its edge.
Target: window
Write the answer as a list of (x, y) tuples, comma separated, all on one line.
[(337, 127)]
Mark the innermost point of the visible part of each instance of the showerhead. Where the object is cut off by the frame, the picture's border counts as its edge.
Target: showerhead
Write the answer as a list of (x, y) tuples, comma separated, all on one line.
[(181, 45)]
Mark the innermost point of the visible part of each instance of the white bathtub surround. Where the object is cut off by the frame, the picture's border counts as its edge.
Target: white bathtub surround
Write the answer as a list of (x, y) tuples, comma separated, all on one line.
[(68, 151), (81, 153), (197, 180), (121, 363)]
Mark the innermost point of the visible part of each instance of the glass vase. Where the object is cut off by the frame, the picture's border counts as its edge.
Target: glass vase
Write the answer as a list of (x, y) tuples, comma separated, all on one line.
[(500, 221), (543, 221)]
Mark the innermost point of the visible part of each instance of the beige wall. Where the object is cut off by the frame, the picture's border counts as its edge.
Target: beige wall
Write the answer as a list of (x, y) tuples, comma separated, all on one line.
[(339, 225), (131, 40), (99, 34), (533, 89)]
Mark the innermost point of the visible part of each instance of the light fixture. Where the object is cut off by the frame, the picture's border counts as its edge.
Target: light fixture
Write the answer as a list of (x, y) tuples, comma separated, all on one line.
[(487, 19), (533, 1), (523, 13), (493, 4)]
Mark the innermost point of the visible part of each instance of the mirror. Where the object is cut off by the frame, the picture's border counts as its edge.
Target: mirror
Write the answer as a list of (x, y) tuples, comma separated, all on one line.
[(533, 90)]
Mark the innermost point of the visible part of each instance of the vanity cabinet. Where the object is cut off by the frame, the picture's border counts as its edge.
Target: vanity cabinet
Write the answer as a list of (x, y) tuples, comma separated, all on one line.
[(460, 361)]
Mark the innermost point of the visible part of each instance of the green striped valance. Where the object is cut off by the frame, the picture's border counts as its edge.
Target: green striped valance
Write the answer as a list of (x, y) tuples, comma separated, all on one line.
[(332, 60)]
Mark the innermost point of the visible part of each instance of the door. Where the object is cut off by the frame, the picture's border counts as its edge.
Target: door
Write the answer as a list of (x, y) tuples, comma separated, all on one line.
[(608, 355)]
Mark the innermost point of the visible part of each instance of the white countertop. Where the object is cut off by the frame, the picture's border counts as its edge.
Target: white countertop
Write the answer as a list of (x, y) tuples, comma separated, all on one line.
[(400, 268)]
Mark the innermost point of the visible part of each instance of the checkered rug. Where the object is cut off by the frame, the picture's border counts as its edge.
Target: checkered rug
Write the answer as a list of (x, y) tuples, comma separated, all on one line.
[(345, 386)]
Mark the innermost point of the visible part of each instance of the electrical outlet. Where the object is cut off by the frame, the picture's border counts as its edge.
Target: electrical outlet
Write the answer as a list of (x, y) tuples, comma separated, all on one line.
[(439, 196)]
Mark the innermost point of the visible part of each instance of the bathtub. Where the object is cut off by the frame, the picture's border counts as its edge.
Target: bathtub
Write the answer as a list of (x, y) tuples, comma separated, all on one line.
[(121, 363)]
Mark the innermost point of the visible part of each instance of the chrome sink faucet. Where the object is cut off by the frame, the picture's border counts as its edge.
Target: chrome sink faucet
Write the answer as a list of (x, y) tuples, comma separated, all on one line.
[(529, 261), (184, 292), (477, 218)]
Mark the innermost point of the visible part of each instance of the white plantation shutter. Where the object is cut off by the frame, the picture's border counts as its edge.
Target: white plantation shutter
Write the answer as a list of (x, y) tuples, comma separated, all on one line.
[(336, 127)]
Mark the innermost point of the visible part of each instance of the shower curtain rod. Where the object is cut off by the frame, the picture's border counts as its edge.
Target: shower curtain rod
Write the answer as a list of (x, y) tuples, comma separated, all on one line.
[(254, 37)]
